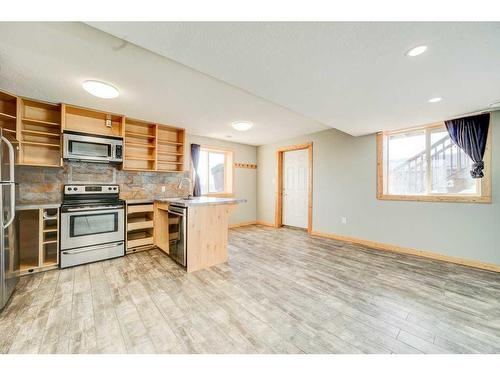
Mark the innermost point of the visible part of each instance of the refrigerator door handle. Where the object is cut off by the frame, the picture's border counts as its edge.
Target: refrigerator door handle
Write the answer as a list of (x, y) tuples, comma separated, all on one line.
[(12, 185), (11, 158)]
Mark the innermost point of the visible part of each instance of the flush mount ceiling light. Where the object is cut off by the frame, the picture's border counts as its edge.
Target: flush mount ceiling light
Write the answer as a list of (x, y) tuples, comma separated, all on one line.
[(100, 89), (416, 51), (242, 126), (435, 100), (495, 105)]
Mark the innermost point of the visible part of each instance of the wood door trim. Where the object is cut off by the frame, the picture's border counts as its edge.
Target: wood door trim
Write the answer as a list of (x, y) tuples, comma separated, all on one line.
[(278, 212)]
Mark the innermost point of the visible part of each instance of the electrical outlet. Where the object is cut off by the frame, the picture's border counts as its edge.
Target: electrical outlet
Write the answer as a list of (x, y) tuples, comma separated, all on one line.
[(163, 189), (343, 219)]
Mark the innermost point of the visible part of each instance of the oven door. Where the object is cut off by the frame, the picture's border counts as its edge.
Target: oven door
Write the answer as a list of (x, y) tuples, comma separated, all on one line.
[(97, 149), (82, 227)]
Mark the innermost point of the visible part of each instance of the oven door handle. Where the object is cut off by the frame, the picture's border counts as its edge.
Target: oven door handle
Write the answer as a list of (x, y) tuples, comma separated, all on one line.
[(100, 247), (92, 208)]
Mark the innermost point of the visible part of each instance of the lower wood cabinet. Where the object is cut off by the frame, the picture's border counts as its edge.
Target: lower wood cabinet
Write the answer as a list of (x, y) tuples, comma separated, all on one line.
[(38, 236), (140, 227)]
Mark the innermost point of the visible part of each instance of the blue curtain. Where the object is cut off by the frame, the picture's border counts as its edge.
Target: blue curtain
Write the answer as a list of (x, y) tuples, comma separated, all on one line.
[(195, 158), (470, 134)]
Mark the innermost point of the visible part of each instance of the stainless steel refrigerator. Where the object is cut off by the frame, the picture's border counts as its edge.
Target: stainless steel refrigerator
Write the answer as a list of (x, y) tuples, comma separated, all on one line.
[(9, 249)]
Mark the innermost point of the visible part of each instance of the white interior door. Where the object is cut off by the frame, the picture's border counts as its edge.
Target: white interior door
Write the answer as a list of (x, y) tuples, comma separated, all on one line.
[(295, 183)]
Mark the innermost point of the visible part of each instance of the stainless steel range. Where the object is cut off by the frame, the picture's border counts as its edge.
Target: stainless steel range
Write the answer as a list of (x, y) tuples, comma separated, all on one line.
[(92, 224)]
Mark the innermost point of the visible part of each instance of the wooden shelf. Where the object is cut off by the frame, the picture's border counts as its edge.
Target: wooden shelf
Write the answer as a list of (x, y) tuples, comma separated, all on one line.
[(5, 116), (170, 162), (170, 142), (41, 165), (139, 158), (41, 144), (51, 241), (40, 122), (170, 153), (139, 135), (9, 131), (136, 144), (44, 134)]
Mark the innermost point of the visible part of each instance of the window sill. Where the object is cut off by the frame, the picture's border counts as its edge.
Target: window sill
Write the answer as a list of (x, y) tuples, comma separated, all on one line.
[(435, 198), (220, 195)]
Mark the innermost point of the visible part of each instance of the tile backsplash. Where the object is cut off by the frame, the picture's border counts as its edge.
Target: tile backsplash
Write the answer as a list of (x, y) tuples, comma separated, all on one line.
[(39, 184)]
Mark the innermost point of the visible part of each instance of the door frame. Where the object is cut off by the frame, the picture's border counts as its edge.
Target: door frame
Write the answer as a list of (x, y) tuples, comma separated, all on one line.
[(278, 212)]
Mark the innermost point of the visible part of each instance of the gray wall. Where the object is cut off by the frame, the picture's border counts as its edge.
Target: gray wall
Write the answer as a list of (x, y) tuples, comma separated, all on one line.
[(245, 180), (344, 175)]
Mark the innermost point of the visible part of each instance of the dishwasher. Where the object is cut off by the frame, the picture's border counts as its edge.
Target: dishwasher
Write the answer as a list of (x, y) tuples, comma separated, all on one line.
[(177, 229)]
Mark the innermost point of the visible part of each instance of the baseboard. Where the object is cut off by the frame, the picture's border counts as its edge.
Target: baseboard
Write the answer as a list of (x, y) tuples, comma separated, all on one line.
[(265, 223), (243, 224), (405, 250)]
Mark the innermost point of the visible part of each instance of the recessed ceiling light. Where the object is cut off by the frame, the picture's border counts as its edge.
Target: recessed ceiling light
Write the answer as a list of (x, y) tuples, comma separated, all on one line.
[(416, 51), (435, 100), (242, 126), (495, 105), (100, 89)]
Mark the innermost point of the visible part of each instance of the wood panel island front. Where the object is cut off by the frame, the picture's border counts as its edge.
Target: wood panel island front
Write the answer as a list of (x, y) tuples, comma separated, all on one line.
[(203, 235)]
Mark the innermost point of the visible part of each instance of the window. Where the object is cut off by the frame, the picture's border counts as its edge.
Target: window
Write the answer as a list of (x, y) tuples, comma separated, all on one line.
[(215, 170), (424, 164)]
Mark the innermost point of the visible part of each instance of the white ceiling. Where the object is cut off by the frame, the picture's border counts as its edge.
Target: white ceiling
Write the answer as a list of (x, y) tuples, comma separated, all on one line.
[(49, 61), (351, 76)]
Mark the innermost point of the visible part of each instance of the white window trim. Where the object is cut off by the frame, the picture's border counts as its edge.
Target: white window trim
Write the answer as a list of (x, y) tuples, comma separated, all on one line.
[(484, 187)]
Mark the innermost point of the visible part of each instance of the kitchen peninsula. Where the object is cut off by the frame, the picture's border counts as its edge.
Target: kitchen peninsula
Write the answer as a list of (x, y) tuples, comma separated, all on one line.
[(194, 231)]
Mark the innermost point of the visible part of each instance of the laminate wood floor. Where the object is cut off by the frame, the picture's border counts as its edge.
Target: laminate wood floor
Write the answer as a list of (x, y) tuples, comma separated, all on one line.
[(281, 292)]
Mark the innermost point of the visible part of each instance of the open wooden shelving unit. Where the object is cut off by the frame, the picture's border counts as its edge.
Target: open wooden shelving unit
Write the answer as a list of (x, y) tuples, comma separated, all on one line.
[(140, 227), (170, 149), (39, 133), (8, 112), (38, 127), (139, 145), (39, 240), (153, 147), (91, 121)]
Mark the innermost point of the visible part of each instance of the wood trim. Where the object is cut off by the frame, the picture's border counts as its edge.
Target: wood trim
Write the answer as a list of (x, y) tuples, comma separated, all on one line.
[(279, 184), (265, 223), (410, 251), (243, 224), (485, 187)]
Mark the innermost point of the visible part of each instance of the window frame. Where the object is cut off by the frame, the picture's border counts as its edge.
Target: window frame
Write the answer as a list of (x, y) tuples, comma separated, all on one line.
[(228, 170), (484, 195)]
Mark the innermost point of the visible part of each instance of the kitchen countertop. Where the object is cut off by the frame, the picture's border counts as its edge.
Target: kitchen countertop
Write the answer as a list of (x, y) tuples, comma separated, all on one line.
[(22, 206), (201, 201)]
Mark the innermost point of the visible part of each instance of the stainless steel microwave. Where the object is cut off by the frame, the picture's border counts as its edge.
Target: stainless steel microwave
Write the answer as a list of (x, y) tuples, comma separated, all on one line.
[(92, 148)]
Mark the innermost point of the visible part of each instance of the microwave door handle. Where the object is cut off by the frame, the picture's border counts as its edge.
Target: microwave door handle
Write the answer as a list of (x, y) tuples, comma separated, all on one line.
[(12, 185)]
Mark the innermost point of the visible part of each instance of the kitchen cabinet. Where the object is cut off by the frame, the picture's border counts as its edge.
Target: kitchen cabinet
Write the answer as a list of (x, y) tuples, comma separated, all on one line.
[(38, 236), (140, 227), (153, 147), (38, 126)]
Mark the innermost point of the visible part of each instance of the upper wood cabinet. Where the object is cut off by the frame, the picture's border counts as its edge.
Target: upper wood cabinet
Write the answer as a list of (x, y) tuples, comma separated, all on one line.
[(153, 147), (8, 112), (39, 133), (38, 128), (91, 121)]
